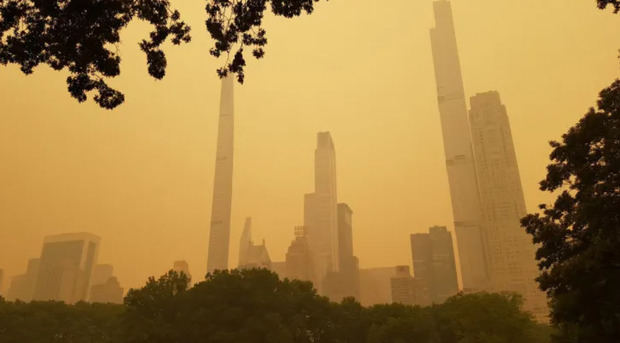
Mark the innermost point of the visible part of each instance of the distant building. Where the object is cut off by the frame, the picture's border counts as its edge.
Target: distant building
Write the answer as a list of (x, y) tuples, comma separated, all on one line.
[(182, 266), (402, 287), (22, 286), (107, 292), (102, 273), (345, 282), (510, 252), (375, 285), (245, 242), (320, 211), (434, 265), (66, 267), (219, 234), (2, 283), (252, 255), (458, 149), (298, 257)]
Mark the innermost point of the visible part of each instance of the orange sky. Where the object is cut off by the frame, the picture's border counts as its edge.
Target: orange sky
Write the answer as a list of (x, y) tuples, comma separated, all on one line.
[(141, 176)]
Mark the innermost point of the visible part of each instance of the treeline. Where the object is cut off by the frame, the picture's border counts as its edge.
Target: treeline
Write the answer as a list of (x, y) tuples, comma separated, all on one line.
[(255, 306)]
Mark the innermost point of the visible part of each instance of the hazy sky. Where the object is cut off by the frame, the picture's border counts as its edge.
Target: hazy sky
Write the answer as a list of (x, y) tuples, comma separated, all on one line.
[(141, 176)]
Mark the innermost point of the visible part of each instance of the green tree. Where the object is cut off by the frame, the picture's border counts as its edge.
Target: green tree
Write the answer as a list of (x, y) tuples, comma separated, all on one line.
[(82, 36), (579, 234)]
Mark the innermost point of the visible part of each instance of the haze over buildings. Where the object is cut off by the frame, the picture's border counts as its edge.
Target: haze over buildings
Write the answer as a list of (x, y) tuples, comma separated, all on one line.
[(141, 176)]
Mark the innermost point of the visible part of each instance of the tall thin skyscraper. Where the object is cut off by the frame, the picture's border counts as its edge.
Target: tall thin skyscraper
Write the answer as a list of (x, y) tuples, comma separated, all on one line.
[(458, 149), (511, 254), (245, 242), (219, 236), (321, 212)]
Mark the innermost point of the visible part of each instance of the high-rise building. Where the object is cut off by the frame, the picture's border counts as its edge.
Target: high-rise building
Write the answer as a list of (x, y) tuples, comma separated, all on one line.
[(109, 292), (66, 267), (298, 257), (102, 273), (402, 286), (219, 235), (245, 242), (320, 211), (344, 282), (105, 286), (434, 266), (22, 286), (181, 266), (375, 285), (458, 149), (444, 282), (511, 253)]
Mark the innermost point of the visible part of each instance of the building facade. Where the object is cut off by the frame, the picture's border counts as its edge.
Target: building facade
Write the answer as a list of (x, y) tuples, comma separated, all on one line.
[(511, 253)]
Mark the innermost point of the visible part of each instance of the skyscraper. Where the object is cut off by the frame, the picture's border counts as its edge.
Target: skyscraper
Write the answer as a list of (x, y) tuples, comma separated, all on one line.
[(219, 235), (245, 242), (2, 283), (320, 211), (511, 254), (22, 286), (458, 149), (181, 266), (298, 257), (66, 266), (402, 286), (445, 283)]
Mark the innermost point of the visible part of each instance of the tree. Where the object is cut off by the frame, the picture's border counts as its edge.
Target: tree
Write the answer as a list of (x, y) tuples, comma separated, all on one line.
[(579, 234), (82, 36), (602, 4)]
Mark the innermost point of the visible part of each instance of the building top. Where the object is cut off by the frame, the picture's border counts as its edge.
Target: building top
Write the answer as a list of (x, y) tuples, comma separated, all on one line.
[(77, 236)]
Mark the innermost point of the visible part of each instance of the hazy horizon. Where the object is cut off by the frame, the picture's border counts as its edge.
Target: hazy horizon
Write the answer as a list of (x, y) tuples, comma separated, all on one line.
[(141, 176)]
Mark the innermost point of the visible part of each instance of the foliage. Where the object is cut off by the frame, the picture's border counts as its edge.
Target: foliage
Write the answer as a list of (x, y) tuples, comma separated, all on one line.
[(82, 37), (240, 22), (255, 306), (602, 4), (579, 234)]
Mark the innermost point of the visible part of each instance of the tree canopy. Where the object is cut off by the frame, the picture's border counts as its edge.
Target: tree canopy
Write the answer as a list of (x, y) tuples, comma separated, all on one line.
[(256, 306), (579, 234), (82, 37)]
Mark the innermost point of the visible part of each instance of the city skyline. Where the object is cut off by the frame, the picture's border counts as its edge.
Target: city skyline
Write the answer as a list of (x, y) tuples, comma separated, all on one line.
[(144, 173)]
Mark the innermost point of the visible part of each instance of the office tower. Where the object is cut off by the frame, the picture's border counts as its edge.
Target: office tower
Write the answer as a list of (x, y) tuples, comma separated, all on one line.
[(444, 281), (22, 286), (298, 257), (458, 149), (402, 286), (375, 285), (434, 266), (182, 266), (219, 234), (245, 241), (511, 253), (101, 274), (344, 282), (108, 292), (320, 211), (66, 267), (2, 283)]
